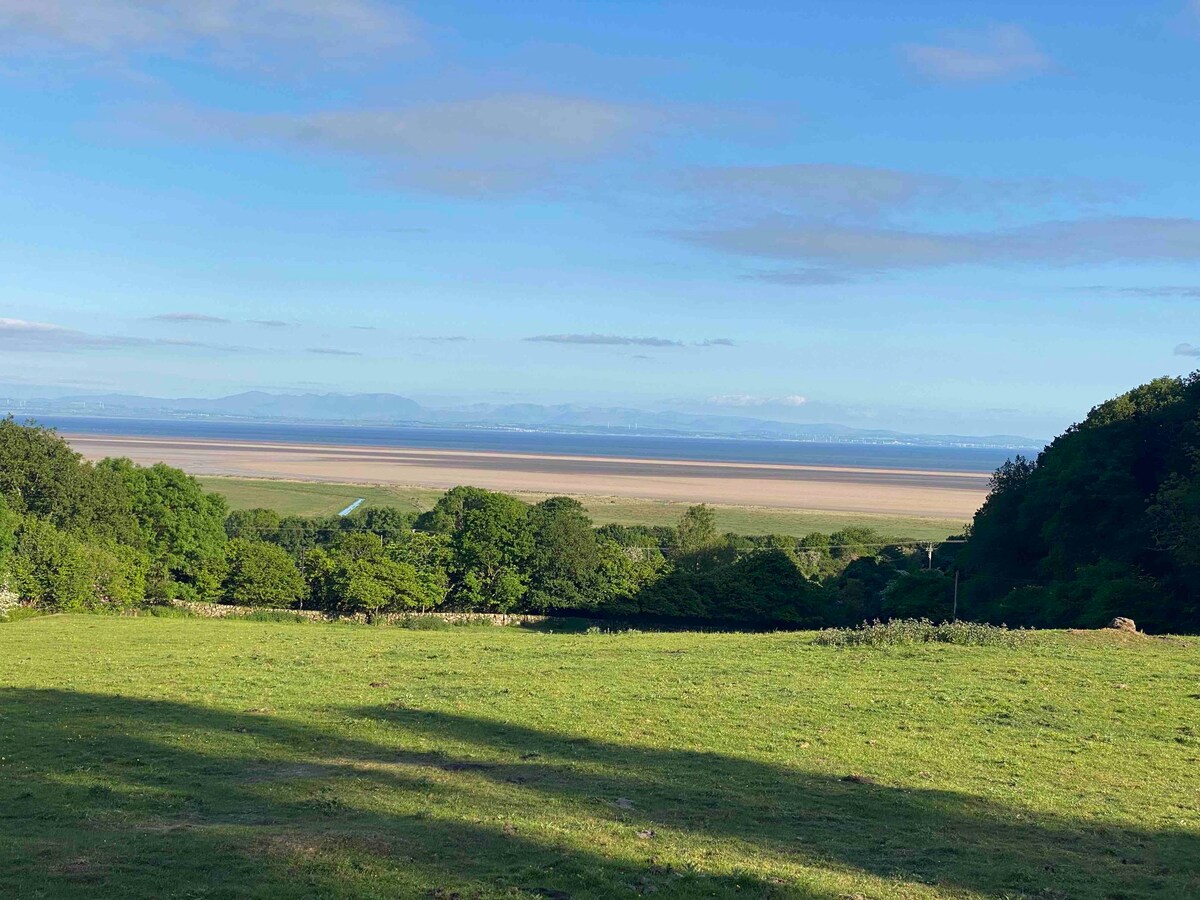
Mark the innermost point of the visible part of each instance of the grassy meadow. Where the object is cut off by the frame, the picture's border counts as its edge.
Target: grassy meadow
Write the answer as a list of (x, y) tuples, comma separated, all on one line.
[(305, 498), (147, 757)]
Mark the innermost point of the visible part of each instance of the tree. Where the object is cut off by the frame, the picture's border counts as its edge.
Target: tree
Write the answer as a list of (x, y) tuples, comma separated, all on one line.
[(41, 475), (389, 523), (1103, 523), (261, 574), (430, 557), (253, 524), (923, 594), (697, 529), (8, 540), (57, 570), (183, 528), (564, 562), (490, 542)]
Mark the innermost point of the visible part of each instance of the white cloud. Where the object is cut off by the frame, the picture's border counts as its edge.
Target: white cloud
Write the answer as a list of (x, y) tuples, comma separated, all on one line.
[(995, 53), (1187, 350), (226, 28)]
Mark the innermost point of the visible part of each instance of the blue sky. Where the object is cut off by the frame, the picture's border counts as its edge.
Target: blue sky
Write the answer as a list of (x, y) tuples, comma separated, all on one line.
[(942, 217)]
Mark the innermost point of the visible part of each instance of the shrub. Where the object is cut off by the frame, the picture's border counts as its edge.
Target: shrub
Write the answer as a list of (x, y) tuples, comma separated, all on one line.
[(900, 632), (55, 570), (273, 615)]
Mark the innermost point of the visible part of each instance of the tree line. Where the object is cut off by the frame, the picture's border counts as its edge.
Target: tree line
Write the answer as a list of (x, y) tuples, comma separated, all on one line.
[(1105, 522), (76, 535)]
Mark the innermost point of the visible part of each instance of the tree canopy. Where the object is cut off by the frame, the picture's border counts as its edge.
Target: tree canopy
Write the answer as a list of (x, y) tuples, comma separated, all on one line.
[(1105, 522)]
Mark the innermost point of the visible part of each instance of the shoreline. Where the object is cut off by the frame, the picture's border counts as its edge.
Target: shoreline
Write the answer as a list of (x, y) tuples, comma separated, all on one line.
[(927, 493), (934, 495)]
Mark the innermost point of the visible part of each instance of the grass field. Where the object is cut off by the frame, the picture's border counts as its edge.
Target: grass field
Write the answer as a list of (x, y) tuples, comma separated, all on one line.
[(318, 498), (144, 757)]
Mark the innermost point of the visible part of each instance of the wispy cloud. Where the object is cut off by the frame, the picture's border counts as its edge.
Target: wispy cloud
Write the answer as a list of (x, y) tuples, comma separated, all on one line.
[(444, 339), (271, 323), (19, 335), (754, 400), (845, 248), (237, 31), (800, 277), (867, 193), (331, 351), (194, 317), (620, 340), (996, 53), (1187, 350), (1183, 292), (610, 340), (480, 145)]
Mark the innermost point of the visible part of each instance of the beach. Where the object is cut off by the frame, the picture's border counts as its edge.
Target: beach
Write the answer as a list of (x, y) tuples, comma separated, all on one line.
[(911, 492)]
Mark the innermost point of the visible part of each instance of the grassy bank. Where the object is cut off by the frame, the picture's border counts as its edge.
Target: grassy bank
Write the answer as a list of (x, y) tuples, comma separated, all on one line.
[(156, 757), (318, 498)]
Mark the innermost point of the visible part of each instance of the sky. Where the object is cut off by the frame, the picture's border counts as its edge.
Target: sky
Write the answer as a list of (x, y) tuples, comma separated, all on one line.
[(969, 218)]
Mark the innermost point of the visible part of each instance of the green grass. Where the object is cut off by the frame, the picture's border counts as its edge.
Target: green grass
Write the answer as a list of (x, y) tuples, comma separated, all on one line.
[(318, 498), (146, 757)]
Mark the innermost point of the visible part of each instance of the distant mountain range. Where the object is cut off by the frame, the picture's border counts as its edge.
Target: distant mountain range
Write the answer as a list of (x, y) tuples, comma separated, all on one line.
[(393, 409)]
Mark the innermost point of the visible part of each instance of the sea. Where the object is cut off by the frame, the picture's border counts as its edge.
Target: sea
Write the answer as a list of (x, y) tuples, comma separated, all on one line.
[(632, 445)]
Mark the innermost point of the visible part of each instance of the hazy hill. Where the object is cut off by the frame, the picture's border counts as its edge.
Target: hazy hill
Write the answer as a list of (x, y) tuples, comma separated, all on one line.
[(383, 408)]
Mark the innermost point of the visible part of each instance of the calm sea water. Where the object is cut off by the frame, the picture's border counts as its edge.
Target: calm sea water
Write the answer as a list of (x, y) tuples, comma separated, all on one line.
[(894, 456)]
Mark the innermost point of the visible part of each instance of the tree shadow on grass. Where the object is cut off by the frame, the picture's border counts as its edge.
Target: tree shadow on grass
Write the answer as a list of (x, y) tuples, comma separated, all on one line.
[(850, 822), (112, 796), (121, 797)]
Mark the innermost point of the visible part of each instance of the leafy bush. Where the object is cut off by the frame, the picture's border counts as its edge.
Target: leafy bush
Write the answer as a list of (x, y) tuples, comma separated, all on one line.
[(56, 570), (172, 612), (423, 623), (899, 632), (273, 615)]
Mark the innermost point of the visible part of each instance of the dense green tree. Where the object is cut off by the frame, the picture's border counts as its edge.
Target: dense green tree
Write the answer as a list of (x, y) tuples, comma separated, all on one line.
[(920, 594), (56, 570), (253, 524), (490, 540), (430, 557), (389, 523), (261, 574), (564, 563), (1103, 523), (9, 522), (183, 528), (41, 475), (697, 530)]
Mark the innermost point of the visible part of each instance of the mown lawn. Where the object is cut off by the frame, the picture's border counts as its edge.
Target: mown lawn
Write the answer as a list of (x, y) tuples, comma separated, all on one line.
[(145, 757), (305, 498)]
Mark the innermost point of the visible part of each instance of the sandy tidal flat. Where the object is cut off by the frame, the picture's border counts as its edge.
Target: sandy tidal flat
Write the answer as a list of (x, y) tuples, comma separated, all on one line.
[(843, 489)]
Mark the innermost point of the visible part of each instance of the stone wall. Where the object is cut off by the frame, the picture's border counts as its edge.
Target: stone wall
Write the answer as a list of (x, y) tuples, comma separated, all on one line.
[(223, 611)]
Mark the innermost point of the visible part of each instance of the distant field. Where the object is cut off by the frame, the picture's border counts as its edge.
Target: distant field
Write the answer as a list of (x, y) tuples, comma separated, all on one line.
[(145, 757), (319, 498)]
